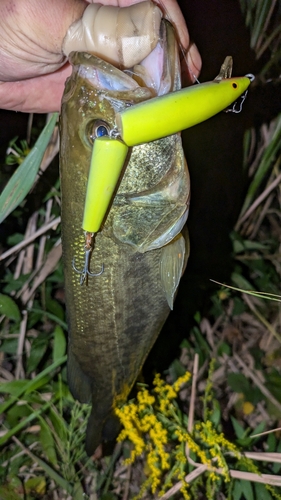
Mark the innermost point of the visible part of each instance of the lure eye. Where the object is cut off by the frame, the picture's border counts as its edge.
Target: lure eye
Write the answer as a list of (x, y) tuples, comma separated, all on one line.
[(97, 128)]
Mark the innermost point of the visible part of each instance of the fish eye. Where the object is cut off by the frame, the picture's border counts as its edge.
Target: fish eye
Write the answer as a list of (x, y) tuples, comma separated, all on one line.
[(101, 130), (97, 128)]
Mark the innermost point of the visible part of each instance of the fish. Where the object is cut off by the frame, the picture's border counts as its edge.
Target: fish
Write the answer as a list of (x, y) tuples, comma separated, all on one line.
[(141, 250)]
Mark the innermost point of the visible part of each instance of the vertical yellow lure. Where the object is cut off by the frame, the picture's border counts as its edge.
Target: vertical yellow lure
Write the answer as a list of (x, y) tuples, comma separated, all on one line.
[(108, 158)]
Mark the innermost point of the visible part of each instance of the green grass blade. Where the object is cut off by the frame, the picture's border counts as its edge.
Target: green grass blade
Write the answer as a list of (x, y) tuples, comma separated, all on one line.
[(29, 386), (24, 422), (22, 180), (269, 155), (254, 293), (260, 17), (51, 316), (54, 475)]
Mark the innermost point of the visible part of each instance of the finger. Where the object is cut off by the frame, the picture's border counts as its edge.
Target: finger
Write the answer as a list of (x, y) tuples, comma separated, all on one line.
[(170, 6), (192, 62), (122, 36), (32, 35), (41, 94)]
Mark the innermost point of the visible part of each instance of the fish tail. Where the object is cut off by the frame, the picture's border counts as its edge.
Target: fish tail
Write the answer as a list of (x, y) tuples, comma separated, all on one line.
[(100, 430), (103, 425)]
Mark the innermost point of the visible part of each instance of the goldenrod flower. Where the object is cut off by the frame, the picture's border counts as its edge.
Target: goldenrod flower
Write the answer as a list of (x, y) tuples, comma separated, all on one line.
[(153, 424)]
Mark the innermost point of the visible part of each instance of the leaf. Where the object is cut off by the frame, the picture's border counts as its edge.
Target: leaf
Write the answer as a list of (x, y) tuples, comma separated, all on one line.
[(241, 282), (10, 346), (241, 246), (9, 308), (14, 387), (238, 429), (38, 349), (58, 423), (22, 180), (238, 382), (258, 430), (35, 486), (23, 423), (59, 343), (247, 489), (237, 490), (224, 348), (47, 442), (261, 492), (216, 413), (271, 442)]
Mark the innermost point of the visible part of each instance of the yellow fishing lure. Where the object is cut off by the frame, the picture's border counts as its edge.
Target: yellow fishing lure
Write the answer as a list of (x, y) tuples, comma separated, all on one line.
[(107, 161), (171, 113), (145, 122)]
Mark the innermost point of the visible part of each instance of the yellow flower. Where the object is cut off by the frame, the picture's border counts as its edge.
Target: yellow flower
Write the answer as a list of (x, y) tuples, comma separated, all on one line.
[(248, 408), (144, 398), (181, 380), (155, 472)]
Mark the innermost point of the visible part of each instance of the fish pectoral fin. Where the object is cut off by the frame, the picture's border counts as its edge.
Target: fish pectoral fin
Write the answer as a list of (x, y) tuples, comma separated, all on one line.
[(172, 265), (147, 229), (79, 383)]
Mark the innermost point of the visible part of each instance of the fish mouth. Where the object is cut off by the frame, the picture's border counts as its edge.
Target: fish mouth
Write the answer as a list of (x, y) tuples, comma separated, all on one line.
[(160, 70), (156, 75)]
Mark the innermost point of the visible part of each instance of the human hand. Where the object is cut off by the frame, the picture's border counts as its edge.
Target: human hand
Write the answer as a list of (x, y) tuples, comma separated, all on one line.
[(33, 66)]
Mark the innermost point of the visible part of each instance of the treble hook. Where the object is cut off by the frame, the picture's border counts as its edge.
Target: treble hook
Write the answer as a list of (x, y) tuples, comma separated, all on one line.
[(85, 272)]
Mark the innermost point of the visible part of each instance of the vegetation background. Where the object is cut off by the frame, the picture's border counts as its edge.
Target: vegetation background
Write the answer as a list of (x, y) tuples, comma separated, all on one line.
[(221, 428)]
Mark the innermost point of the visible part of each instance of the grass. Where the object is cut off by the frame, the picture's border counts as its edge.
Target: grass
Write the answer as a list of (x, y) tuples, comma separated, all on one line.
[(229, 411)]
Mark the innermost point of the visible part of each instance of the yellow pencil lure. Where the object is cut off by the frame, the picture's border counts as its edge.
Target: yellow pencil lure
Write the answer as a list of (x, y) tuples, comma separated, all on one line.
[(171, 113)]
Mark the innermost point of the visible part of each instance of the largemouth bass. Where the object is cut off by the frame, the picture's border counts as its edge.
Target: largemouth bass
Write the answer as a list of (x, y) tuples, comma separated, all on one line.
[(115, 318)]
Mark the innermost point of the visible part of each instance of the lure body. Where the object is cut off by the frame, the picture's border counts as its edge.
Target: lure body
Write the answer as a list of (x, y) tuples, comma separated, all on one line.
[(107, 162), (115, 319), (177, 111)]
